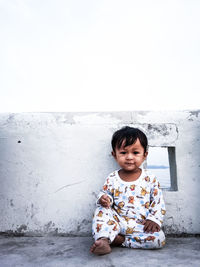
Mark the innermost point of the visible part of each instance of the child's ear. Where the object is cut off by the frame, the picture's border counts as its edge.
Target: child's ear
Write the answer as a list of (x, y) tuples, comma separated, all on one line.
[(145, 155), (113, 154)]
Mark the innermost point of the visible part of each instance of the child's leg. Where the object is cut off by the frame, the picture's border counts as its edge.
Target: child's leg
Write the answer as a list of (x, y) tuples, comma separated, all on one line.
[(105, 224), (105, 228), (145, 240)]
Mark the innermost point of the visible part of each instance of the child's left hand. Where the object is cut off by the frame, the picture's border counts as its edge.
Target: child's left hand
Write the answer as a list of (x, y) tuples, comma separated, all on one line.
[(150, 226)]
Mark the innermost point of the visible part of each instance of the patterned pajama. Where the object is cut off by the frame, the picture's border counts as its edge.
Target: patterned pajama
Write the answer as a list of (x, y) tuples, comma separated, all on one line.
[(131, 204)]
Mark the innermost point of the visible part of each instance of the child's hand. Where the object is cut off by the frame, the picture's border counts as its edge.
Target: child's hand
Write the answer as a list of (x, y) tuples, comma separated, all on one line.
[(150, 226), (105, 201)]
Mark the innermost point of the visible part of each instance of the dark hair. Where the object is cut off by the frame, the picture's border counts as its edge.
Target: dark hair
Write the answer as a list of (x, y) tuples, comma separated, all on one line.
[(129, 135)]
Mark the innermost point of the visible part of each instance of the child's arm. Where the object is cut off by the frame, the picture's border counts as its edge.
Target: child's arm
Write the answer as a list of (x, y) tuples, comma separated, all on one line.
[(157, 207), (105, 197)]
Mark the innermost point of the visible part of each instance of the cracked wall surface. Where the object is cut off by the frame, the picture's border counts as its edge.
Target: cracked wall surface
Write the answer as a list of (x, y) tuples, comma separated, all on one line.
[(52, 165)]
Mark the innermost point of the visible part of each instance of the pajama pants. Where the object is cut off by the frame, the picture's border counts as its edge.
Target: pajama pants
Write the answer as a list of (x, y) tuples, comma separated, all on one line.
[(107, 223)]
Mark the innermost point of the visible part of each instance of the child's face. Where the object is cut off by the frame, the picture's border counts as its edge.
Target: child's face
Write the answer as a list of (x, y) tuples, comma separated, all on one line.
[(130, 157)]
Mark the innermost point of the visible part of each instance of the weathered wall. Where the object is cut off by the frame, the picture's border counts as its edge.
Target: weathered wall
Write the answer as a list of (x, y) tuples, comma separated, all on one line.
[(53, 164)]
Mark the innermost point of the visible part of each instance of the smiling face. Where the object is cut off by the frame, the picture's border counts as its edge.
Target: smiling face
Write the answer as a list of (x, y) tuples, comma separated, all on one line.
[(130, 157)]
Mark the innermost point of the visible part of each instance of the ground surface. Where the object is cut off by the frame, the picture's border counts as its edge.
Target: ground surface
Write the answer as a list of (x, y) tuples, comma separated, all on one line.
[(74, 251)]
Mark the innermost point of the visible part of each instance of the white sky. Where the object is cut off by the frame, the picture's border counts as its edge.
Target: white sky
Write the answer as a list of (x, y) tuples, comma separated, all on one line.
[(158, 156), (99, 55)]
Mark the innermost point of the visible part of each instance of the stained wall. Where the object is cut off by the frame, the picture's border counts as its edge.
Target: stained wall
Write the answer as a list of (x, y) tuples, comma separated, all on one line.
[(52, 166)]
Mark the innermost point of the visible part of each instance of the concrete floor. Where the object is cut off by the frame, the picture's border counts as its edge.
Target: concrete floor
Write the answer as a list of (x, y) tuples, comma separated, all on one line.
[(74, 251)]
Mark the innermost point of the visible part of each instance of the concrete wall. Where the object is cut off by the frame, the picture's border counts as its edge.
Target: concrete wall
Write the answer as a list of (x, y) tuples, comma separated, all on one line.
[(52, 166)]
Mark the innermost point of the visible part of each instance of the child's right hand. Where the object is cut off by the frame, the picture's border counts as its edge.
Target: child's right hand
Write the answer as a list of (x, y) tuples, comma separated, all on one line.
[(105, 201)]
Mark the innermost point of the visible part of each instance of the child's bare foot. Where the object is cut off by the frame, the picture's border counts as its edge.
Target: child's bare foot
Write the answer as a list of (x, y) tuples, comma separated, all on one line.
[(119, 239), (101, 247)]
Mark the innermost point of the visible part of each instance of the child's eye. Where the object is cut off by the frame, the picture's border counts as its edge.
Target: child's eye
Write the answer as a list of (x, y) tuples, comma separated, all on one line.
[(123, 152), (136, 152)]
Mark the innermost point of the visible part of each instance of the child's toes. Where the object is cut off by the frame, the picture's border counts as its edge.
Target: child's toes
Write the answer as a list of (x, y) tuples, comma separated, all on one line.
[(93, 247), (102, 247)]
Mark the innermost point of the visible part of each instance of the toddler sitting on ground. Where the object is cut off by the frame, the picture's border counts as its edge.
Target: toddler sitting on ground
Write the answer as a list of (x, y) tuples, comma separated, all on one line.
[(130, 208)]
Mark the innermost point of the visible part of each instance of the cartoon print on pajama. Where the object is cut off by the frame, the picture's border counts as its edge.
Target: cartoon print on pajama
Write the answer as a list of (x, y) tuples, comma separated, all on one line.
[(132, 203)]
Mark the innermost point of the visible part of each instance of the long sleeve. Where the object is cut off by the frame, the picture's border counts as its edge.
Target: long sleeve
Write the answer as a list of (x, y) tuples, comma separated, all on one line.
[(107, 189), (157, 206)]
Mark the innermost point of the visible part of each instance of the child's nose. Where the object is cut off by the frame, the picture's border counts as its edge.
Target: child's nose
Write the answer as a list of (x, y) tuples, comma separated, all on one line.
[(130, 156)]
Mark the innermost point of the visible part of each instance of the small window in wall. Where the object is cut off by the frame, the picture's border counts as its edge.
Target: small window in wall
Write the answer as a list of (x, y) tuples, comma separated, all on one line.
[(161, 161)]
